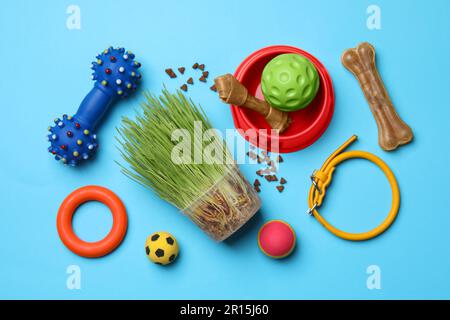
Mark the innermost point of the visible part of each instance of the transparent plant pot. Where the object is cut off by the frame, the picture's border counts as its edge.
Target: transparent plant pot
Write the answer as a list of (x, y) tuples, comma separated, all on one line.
[(226, 206)]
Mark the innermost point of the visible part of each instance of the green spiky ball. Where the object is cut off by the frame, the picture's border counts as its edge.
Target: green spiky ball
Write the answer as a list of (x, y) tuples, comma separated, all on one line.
[(290, 82)]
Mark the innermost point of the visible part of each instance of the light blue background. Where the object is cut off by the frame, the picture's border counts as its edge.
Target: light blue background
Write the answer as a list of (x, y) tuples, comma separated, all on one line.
[(45, 73)]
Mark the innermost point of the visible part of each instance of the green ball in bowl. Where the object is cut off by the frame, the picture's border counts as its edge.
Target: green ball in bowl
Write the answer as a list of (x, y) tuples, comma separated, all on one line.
[(289, 82)]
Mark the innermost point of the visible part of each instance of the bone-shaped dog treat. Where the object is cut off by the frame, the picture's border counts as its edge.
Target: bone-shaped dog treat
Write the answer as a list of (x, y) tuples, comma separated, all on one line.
[(231, 91), (392, 131)]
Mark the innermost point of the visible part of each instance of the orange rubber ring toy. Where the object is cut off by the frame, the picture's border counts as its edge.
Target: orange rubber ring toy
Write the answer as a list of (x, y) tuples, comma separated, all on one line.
[(67, 210)]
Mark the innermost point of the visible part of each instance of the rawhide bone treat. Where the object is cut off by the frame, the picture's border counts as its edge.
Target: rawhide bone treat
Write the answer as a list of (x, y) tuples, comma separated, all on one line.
[(392, 130), (231, 91)]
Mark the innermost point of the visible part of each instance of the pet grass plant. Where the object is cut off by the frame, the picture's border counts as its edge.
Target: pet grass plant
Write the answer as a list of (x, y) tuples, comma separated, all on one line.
[(214, 194)]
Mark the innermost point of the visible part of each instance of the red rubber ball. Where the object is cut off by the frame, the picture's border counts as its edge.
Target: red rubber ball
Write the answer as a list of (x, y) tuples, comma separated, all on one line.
[(276, 239)]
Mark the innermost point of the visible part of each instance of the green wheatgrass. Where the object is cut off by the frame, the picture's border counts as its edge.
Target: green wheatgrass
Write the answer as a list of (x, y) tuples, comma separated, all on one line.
[(215, 195)]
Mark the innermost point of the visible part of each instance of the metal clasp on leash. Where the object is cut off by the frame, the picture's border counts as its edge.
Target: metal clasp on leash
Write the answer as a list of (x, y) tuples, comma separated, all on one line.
[(310, 210), (313, 180)]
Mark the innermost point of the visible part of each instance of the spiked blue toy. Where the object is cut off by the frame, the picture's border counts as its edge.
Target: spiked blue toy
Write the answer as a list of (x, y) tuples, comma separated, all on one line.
[(116, 76)]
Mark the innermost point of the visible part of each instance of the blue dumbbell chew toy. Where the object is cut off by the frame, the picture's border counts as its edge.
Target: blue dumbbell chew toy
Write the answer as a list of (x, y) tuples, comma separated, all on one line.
[(116, 75)]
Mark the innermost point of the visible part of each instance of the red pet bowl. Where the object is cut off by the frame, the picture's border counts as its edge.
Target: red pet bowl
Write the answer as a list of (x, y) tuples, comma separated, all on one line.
[(307, 125)]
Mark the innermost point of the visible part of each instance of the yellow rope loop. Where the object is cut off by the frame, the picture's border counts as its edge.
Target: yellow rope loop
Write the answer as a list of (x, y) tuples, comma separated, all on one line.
[(322, 178)]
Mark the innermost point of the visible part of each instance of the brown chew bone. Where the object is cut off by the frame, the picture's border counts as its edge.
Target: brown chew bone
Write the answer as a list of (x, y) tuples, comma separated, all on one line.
[(392, 131), (231, 91)]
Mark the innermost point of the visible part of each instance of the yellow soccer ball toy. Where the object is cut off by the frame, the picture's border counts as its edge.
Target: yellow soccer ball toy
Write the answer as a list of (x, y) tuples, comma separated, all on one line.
[(161, 248)]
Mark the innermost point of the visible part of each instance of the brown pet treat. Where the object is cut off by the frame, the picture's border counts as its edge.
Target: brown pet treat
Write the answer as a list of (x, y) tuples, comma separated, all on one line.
[(273, 169), (266, 171), (202, 79), (256, 183), (260, 173), (257, 189), (170, 73), (252, 155), (184, 87), (205, 74), (279, 159), (181, 70), (201, 67), (392, 130), (213, 88), (283, 181), (271, 178), (270, 163), (280, 189), (231, 91), (190, 80), (264, 153), (195, 66), (258, 159)]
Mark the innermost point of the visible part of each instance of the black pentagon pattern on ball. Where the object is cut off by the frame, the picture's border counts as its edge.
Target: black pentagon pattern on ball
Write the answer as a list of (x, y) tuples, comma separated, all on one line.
[(155, 237), (159, 253), (170, 240), (147, 250), (171, 258)]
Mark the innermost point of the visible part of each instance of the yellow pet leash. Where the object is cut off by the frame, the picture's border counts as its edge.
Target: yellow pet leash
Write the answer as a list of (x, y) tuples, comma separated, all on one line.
[(322, 178)]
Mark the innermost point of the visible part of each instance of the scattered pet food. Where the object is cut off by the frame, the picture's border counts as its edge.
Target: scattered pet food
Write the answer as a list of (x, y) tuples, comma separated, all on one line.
[(271, 177), (190, 80), (170, 72), (268, 173), (252, 155)]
